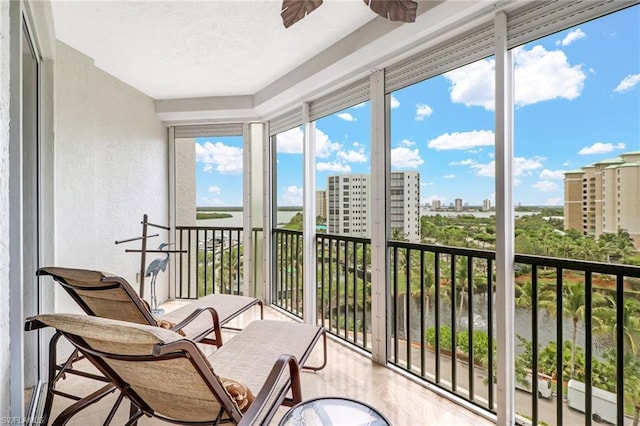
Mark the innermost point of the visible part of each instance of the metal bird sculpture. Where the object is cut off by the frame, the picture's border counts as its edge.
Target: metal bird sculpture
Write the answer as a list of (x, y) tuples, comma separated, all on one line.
[(154, 268)]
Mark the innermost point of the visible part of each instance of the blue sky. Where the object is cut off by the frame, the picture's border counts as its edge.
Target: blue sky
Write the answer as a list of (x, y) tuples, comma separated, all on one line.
[(577, 96)]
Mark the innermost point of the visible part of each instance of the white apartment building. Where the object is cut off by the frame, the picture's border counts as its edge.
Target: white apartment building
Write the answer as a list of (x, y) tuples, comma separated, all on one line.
[(321, 203), (349, 201), (458, 205), (405, 204), (486, 205), (349, 204)]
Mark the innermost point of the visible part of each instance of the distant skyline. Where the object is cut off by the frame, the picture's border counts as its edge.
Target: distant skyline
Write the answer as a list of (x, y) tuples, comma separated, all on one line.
[(577, 101)]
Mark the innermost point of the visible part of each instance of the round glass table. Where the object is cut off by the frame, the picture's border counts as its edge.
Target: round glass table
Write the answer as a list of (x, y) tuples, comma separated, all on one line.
[(333, 411)]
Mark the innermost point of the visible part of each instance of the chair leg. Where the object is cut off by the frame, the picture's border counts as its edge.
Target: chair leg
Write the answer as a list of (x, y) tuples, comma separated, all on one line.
[(324, 355), (113, 410), (52, 375), (73, 409), (135, 414)]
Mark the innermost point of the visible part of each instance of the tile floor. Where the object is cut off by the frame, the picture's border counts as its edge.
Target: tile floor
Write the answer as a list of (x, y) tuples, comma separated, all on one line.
[(348, 374)]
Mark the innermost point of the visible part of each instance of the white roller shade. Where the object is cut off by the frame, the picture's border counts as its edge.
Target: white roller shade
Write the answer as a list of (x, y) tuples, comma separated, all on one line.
[(353, 94), (232, 129), (539, 19), (285, 122), (462, 50)]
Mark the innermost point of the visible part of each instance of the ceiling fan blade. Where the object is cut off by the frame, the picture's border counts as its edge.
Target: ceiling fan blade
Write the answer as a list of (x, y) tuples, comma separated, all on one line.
[(295, 10), (394, 10)]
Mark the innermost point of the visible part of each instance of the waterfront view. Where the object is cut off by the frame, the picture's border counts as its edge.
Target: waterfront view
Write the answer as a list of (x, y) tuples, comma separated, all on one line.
[(576, 165)]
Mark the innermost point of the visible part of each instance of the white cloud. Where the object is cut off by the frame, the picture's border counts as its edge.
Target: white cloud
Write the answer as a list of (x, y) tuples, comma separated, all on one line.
[(346, 116), (572, 36), (545, 186), (290, 142), (395, 103), (214, 189), (451, 176), (405, 158), (466, 162), (526, 166), (628, 83), (555, 201), (292, 196), (473, 84), (547, 174), (353, 156), (600, 148), (488, 169), (464, 140), (543, 75), (422, 111), (475, 151), (324, 146), (360, 105), (566, 163), (224, 159), (521, 166), (540, 75), (427, 183), (333, 166), (407, 142)]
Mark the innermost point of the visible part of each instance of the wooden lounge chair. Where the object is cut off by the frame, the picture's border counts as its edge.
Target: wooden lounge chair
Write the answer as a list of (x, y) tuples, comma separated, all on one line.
[(165, 375), (107, 296)]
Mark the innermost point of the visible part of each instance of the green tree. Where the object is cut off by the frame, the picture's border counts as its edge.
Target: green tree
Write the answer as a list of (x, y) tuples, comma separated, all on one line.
[(607, 322), (573, 306)]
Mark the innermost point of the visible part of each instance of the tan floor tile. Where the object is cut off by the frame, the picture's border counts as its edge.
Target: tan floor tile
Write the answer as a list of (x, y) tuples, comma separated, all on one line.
[(348, 374)]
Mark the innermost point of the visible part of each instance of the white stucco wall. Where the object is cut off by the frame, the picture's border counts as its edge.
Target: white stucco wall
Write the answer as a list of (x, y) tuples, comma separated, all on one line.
[(4, 209), (111, 167)]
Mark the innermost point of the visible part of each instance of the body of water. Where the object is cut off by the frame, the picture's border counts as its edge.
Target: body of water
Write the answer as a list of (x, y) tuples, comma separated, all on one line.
[(235, 221)]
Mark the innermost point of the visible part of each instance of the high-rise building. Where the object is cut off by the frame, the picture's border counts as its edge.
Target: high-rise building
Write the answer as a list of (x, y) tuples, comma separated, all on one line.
[(349, 201), (486, 205), (458, 205), (405, 204), (604, 197), (436, 205), (349, 205), (321, 203)]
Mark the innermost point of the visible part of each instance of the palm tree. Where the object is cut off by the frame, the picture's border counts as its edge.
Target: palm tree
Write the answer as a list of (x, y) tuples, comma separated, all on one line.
[(607, 321), (461, 280), (524, 296), (573, 306)]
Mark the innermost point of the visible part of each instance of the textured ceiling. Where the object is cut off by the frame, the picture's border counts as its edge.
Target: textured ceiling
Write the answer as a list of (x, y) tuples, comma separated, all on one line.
[(185, 49)]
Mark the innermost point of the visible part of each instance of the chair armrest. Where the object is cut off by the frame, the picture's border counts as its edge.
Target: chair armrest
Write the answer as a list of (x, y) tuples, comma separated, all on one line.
[(251, 417), (215, 323), (33, 324)]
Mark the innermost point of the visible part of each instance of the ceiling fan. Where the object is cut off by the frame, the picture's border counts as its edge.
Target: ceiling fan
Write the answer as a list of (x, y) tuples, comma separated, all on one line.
[(393, 10)]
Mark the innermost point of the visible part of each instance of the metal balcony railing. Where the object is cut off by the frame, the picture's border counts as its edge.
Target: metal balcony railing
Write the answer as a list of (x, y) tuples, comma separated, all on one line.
[(212, 261), (445, 333), (576, 321)]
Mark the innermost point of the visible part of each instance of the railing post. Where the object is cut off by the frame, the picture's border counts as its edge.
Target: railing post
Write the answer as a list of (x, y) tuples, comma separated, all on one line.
[(505, 292)]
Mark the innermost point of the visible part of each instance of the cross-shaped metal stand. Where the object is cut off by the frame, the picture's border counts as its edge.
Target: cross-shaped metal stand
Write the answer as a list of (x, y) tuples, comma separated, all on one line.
[(143, 250)]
